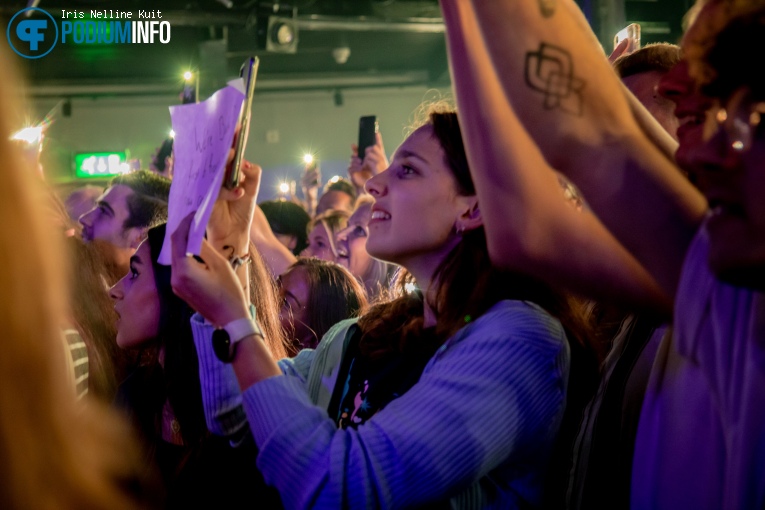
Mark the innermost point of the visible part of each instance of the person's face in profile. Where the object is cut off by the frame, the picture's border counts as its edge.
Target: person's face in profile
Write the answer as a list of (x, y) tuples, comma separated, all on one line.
[(319, 244), (351, 244), (417, 205), (294, 293), (136, 302), (106, 221), (691, 106)]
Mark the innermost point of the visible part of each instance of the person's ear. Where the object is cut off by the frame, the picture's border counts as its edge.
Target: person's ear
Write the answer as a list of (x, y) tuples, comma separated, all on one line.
[(292, 243), (136, 235), (471, 218)]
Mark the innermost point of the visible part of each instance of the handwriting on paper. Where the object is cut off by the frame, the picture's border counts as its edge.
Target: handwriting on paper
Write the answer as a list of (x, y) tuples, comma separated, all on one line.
[(203, 136)]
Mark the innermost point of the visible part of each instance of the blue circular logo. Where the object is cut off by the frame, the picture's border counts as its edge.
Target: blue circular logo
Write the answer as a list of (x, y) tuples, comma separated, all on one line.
[(30, 34)]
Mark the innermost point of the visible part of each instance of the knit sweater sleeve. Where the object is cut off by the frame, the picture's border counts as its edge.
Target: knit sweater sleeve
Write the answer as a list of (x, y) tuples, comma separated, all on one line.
[(221, 396), (491, 397)]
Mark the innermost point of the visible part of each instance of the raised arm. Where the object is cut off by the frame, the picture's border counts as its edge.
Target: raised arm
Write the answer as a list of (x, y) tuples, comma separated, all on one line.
[(551, 72), (275, 255), (309, 182)]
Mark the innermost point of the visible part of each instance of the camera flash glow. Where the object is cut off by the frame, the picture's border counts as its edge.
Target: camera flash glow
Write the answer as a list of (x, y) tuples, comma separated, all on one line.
[(410, 287), (172, 134), (29, 135), (334, 179), (188, 75), (284, 187), (308, 159)]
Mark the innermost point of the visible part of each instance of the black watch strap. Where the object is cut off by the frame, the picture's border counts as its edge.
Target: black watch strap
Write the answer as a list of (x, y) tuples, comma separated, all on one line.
[(225, 339)]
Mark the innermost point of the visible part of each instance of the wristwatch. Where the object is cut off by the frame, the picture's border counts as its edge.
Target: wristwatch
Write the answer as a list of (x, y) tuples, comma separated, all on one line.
[(224, 340)]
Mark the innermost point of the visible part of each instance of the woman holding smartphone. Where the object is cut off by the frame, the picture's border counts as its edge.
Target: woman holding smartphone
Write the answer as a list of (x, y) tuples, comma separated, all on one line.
[(449, 395)]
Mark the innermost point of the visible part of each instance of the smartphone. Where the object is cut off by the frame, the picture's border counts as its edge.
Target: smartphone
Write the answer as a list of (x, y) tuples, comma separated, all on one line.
[(164, 151), (311, 165), (631, 32), (248, 72), (367, 130), (190, 92)]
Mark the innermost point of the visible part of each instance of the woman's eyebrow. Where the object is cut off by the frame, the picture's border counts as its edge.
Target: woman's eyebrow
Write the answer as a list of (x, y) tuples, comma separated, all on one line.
[(405, 153), (290, 294)]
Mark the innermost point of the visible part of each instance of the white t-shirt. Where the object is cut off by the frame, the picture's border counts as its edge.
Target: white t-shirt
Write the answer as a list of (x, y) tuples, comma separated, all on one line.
[(701, 437)]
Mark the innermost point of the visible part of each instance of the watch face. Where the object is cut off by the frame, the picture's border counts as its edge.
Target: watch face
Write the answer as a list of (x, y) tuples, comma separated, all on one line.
[(222, 345)]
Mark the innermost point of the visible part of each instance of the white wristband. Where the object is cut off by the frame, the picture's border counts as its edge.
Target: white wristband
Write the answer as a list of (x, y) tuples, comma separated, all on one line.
[(242, 328)]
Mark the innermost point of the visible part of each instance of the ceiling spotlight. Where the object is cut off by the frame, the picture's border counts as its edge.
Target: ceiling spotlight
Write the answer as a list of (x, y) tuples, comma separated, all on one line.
[(282, 35), (341, 54)]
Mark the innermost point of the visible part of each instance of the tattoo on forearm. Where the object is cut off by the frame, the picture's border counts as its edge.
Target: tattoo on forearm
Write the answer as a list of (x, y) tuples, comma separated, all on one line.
[(547, 7), (550, 70)]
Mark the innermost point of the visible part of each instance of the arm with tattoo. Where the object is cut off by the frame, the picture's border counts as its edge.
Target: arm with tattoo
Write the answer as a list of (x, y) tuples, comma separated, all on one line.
[(549, 68)]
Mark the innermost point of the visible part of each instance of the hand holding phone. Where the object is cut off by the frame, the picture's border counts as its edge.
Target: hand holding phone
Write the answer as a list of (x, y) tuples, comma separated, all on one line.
[(159, 160), (631, 32), (374, 162), (248, 72), (311, 175)]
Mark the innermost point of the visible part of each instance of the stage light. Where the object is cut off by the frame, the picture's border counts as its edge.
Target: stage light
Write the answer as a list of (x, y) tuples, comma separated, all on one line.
[(281, 32), (284, 188), (30, 135), (188, 75)]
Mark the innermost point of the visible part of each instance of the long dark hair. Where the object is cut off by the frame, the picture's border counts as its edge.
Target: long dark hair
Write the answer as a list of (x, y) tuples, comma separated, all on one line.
[(180, 381), (334, 294), (467, 282)]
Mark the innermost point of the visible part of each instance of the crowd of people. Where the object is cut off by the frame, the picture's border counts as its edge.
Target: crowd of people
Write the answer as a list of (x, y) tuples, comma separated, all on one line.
[(551, 299)]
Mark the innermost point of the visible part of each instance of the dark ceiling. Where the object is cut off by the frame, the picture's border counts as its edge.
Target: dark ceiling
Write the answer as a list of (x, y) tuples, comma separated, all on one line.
[(391, 43)]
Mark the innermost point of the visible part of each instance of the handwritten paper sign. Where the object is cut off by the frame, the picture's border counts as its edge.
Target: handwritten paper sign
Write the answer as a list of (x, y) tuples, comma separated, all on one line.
[(203, 136)]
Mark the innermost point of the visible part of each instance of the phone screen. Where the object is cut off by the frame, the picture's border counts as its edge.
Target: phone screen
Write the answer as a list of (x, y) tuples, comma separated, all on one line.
[(190, 93), (164, 151)]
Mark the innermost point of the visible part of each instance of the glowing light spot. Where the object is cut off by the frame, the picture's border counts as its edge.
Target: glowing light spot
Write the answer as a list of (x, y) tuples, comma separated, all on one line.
[(29, 135)]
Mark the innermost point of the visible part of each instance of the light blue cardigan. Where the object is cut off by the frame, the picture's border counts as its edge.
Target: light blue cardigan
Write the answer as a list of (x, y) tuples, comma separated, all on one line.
[(477, 428)]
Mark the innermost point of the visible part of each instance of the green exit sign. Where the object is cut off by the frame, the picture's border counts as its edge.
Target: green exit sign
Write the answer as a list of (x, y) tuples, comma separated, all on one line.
[(89, 165)]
